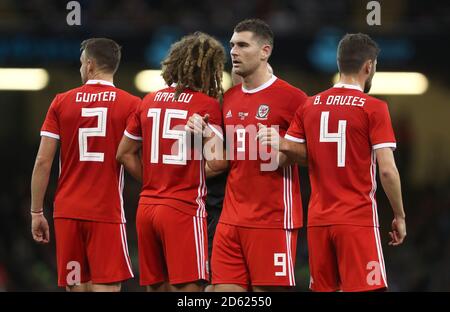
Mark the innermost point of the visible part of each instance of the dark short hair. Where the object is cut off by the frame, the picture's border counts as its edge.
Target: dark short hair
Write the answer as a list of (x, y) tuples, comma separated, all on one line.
[(258, 27), (354, 50), (104, 51)]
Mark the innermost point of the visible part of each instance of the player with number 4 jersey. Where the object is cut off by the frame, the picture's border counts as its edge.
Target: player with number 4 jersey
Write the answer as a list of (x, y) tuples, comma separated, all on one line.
[(347, 132), (88, 123)]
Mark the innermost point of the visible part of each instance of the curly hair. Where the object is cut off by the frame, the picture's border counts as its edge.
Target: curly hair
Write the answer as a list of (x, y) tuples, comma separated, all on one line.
[(195, 62)]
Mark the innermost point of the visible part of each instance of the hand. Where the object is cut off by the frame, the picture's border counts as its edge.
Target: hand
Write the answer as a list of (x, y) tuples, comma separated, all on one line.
[(39, 229), (197, 124), (398, 233), (268, 136)]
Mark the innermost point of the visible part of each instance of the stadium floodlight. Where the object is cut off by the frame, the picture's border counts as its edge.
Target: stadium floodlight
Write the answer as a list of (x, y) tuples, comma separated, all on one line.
[(397, 83), (23, 79), (150, 80)]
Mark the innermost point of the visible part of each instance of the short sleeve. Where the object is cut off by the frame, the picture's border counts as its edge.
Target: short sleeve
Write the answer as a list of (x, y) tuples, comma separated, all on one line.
[(298, 99), (135, 103), (380, 127), (51, 128), (296, 133), (134, 130)]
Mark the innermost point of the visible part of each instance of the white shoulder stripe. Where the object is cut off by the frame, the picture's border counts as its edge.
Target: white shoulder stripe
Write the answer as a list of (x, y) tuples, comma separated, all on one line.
[(133, 137), (50, 134), (294, 139), (216, 131), (392, 145)]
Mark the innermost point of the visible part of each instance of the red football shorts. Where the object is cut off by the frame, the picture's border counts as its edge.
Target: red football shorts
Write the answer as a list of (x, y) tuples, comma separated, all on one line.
[(91, 251), (252, 256), (345, 257), (173, 246)]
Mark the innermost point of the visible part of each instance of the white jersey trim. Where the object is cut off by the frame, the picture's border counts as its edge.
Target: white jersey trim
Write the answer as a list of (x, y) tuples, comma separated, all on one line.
[(290, 263), (287, 197), (216, 130), (123, 235), (294, 139), (133, 137), (380, 255), (50, 135), (99, 81), (199, 246), (121, 184), (382, 145), (265, 85), (348, 86)]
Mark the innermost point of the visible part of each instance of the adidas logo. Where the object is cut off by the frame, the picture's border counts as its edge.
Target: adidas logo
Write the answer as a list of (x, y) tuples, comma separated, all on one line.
[(229, 115)]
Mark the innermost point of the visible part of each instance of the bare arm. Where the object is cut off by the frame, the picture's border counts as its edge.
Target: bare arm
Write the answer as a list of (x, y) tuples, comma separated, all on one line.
[(39, 183), (128, 154), (289, 151), (213, 149), (211, 173), (214, 153), (390, 179)]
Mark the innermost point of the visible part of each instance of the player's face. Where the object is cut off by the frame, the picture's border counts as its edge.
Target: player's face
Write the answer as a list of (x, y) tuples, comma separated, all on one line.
[(368, 83), (245, 53), (83, 68)]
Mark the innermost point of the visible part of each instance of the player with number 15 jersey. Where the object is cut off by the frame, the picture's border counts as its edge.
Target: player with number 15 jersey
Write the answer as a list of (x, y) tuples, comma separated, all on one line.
[(171, 217)]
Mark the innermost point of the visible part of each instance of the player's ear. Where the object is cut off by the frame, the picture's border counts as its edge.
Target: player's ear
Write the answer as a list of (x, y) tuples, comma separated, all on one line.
[(266, 51), (368, 65), (90, 65)]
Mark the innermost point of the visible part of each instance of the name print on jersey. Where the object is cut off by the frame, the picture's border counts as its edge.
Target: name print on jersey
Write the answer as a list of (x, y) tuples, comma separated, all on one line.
[(348, 100), (170, 97), (85, 97)]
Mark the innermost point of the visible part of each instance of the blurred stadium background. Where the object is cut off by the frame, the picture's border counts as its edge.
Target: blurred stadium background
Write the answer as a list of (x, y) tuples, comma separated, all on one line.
[(413, 37)]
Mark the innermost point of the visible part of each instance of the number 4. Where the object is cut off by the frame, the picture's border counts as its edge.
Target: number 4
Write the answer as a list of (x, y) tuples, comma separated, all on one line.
[(338, 137)]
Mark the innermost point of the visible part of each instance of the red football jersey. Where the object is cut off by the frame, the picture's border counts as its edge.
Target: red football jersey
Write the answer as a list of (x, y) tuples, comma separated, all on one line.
[(89, 122), (342, 127), (256, 196), (173, 171)]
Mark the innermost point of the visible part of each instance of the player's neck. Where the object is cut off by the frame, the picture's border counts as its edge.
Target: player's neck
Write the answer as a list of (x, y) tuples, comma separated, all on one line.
[(353, 80), (102, 76), (258, 78)]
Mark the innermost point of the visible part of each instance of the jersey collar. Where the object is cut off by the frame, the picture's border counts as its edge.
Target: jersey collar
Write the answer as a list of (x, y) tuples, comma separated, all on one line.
[(98, 81), (265, 85), (348, 86)]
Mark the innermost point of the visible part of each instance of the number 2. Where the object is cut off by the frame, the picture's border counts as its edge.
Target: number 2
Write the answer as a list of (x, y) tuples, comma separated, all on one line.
[(99, 131), (337, 137)]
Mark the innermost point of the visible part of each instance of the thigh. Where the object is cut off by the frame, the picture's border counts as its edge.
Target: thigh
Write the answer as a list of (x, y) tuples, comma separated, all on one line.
[(71, 258), (152, 267), (323, 266), (270, 255), (107, 252), (360, 258), (227, 262), (185, 243)]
